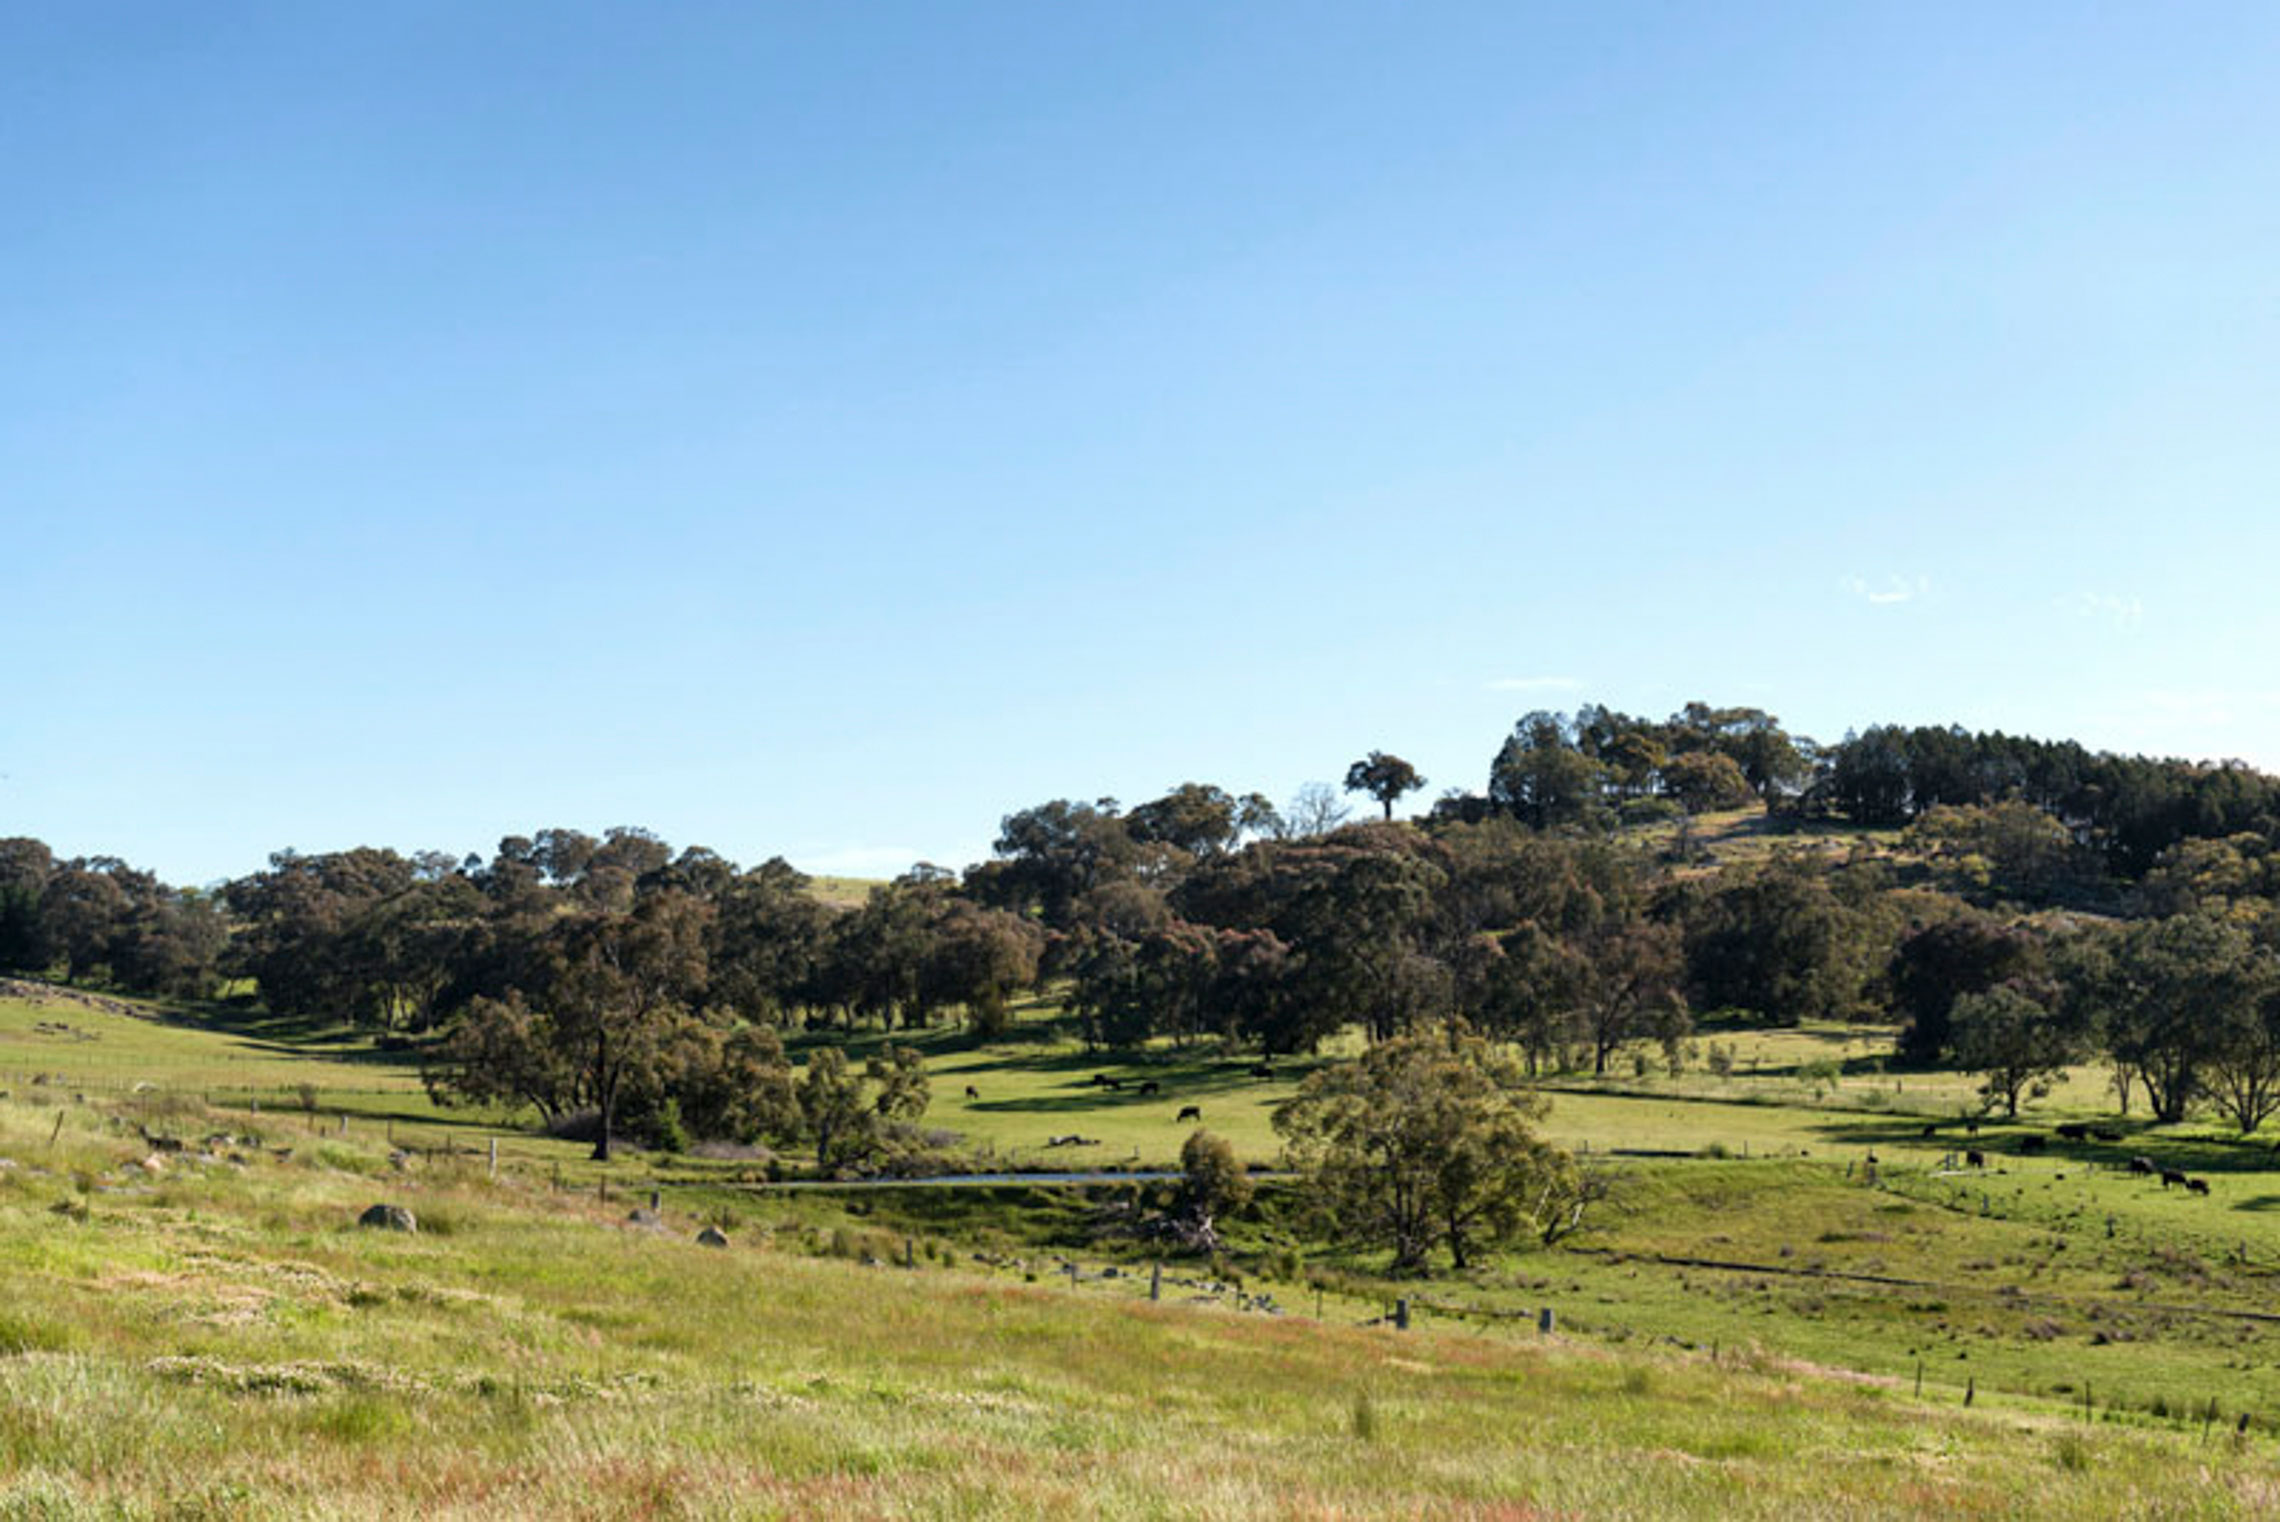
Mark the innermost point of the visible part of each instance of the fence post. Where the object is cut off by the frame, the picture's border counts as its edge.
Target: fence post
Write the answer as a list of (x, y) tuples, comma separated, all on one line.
[(1544, 1322), (1401, 1314), (494, 1157), (1155, 1281)]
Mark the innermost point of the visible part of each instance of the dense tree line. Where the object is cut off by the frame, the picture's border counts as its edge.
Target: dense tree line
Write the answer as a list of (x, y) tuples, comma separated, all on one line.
[(2045, 904)]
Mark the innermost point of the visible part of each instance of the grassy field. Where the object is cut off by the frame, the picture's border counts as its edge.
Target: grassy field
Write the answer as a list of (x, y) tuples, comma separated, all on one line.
[(215, 1338), (1759, 1321), (844, 892)]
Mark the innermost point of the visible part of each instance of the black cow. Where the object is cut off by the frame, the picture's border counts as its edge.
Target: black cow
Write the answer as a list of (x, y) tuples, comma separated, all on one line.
[(972, 1092), (2031, 1142), (2073, 1131), (1975, 1159), (2197, 1185), (1189, 1112), (1151, 1087), (2143, 1165), (2172, 1176), (2105, 1135)]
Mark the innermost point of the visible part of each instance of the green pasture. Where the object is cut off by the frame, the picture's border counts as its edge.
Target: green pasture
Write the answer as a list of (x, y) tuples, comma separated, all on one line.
[(74, 1044), (211, 1336), (1026, 1096)]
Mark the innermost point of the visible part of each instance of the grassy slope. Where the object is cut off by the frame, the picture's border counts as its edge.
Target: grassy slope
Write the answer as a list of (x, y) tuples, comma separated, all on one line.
[(532, 1353), (215, 1339)]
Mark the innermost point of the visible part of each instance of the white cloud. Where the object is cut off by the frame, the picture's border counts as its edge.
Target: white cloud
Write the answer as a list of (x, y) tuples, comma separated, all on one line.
[(2121, 612), (1534, 684), (1891, 591)]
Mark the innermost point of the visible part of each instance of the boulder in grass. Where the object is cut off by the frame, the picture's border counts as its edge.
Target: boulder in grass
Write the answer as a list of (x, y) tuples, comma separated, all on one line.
[(712, 1236), (645, 1218), (389, 1218)]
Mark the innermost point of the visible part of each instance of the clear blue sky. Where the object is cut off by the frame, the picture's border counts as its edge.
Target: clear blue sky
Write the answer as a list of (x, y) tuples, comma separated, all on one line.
[(820, 430)]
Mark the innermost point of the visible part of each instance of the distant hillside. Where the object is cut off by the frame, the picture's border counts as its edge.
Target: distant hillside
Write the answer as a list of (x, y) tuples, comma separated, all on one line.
[(844, 892)]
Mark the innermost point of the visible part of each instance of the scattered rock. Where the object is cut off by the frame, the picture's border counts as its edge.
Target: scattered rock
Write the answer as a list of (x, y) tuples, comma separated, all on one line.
[(154, 1164), (389, 1218), (645, 1218), (712, 1236)]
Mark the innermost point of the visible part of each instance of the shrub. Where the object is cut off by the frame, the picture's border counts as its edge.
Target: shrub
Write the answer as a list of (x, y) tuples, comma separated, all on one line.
[(666, 1133)]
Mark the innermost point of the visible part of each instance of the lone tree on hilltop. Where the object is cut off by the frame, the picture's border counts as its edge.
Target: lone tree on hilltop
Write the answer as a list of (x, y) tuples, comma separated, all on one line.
[(1384, 778)]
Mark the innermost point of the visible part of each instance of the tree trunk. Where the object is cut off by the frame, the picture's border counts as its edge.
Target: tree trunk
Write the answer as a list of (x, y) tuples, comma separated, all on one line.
[(608, 1096)]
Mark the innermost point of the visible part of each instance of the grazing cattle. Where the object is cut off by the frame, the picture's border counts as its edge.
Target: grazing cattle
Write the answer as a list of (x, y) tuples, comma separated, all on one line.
[(2102, 1134), (1263, 1070), (1189, 1112), (2171, 1176), (2032, 1142), (1151, 1087), (972, 1092), (1975, 1159), (2197, 1185), (1111, 1083), (1101, 1080), (2143, 1165), (1971, 1128), (2073, 1132), (1932, 1130)]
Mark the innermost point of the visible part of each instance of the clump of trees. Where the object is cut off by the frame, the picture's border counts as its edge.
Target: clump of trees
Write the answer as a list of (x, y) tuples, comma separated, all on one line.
[(1428, 1141), (2045, 903)]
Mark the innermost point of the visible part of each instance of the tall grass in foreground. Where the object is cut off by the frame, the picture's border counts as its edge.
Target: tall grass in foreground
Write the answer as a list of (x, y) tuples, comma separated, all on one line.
[(215, 1339)]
